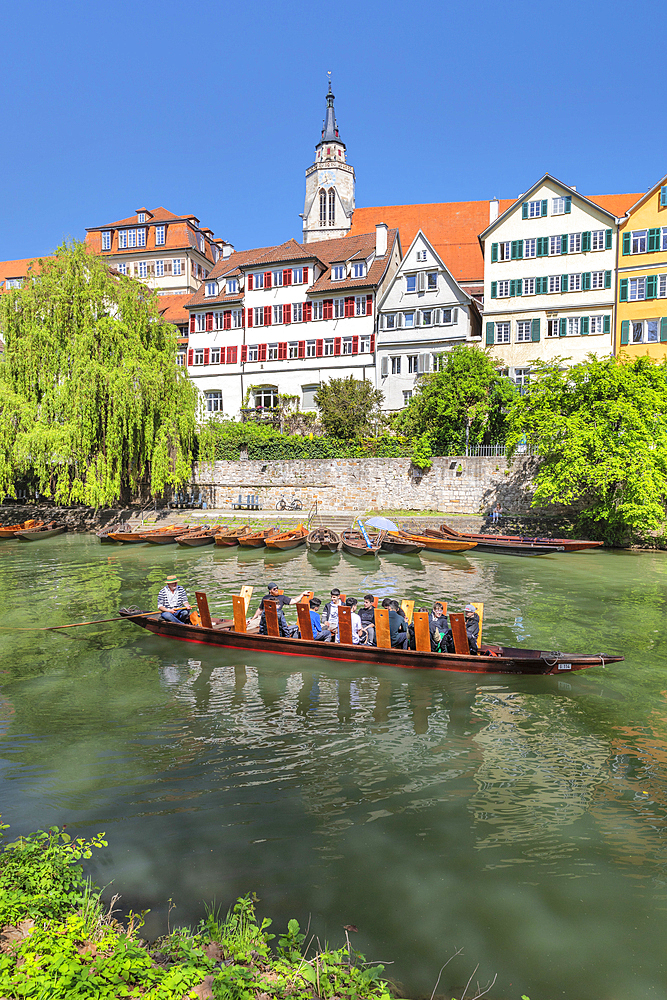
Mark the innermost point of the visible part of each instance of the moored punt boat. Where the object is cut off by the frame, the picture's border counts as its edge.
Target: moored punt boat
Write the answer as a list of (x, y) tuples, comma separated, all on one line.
[(257, 539), (432, 542), (230, 536), (493, 659), (168, 536), (37, 534), (355, 544), (9, 530), (105, 535), (397, 541), (287, 539), (139, 536), (323, 539), (524, 541), (193, 539)]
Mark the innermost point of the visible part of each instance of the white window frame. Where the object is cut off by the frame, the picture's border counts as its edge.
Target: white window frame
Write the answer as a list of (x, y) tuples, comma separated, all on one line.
[(555, 245), (297, 275), (554, 284), (339, 308), (272, 352), (574, 282), (596, 324), (311, 349), (427, 317), (365, 343), (431, 281), (160, 236), (142, 268), (106, 239), (396, 364), (328, 347), (637, 327), (159, 269), (347, 345), (215, 356), (573, 326), (278, 314), (503, 289), (505, 250), (636, 289), (408, 320), (389, 321), (318, 308), (337, 272), (253, 352), (359, 269), (211, 289), (502, 333), (662, 286), (213, 401), (359, 305), (652, 331), (638, 240), (597, 279), (530, 247), (258, 281), (297, 312), (407, 396), (553, 328), (558, 205), (411, 282), (598, 238), (524, 331), (232, 286), (293, 349), (535, 209), (198, 356), (177, 266), (529, 286), (258, 316), (277, 278), (141, 216), (575, 243), (413, 364), (237, 318)]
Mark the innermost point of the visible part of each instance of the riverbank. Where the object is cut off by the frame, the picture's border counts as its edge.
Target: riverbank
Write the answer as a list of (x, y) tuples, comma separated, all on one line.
[(58, 939)]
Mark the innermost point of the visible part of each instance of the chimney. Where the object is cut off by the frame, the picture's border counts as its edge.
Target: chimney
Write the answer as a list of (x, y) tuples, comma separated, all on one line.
[(494, 206), (381, 232), (227, 250)]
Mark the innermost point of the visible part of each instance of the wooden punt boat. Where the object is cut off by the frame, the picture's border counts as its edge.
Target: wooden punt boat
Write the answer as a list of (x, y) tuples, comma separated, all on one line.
[(493, 543), (355, 544), (230, 536), (139, 536), (193, 539), (397, 541), (323, 539), (37, 534), (168, 536), (257, 539), (494, 659), (9, 530), (120, 528), (434, 543), (287, 539), (521, 542)]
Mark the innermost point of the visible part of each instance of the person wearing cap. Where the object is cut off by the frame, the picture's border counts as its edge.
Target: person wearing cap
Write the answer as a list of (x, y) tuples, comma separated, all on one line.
[(172, 601), (280, 599), (472, 627)]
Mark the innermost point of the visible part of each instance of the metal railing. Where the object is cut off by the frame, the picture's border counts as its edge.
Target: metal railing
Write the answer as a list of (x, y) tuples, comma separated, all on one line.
[(497, 450)]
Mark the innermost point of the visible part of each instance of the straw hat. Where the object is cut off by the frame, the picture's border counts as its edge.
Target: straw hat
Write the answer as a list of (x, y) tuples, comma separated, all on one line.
[(171, 579)]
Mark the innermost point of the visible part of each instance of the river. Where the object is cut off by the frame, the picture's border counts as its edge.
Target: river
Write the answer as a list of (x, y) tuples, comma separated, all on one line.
[(522, 820)]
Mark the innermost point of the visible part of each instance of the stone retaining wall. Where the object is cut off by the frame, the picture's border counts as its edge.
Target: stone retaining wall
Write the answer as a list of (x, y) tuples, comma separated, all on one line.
[(453, 485)]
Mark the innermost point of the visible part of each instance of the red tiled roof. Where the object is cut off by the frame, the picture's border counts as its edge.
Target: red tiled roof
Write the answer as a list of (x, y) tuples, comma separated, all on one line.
[(617, 204), (227, 266), (181, 234), (17, 269), (157, 215), (172, 308), (354, 247)]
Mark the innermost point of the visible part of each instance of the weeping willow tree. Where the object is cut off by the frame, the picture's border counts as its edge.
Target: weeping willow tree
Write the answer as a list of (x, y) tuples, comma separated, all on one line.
[(93, 405)]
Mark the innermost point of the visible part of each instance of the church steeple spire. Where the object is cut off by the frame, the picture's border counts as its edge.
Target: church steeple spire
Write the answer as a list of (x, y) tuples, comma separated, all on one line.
[(330, 130), (329, 184)]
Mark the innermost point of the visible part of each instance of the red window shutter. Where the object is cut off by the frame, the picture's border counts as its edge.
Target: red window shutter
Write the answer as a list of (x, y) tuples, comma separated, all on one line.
[(372, 343), (349, 306), (336, 345), (192, 322), (267, 279), (250, 282), (287, 314), (249, 317), (234, 355), (282, 351), (369, 305), (307, 312), (305, 275), (244, 353), (262, 352), (327, 309), (227, 320), (207, 356), (287, 276), (191, 357), (209, 322), (319, 348), (302, 348), (267, 315), (355, 345)]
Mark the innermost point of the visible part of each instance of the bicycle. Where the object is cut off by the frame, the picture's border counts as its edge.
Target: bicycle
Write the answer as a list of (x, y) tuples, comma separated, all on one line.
[(294, 504)]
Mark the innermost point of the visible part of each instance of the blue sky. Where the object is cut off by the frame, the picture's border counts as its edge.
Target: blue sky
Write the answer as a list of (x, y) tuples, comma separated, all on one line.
[(215, 108)]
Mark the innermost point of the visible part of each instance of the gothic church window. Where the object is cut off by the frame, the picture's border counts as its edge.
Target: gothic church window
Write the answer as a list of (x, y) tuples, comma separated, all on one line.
[(332, 207), (323, 208)]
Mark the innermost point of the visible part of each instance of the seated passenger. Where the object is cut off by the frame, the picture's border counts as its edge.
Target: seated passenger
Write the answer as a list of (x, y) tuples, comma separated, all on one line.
[(438, 617), (472, 627), (367, 615), (319, 633), (357, 631), (281, 600), (398, 632), (335, 601), (433, 631)]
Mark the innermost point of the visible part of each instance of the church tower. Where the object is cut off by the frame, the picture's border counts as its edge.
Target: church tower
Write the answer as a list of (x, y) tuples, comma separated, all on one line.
[(329, 185)]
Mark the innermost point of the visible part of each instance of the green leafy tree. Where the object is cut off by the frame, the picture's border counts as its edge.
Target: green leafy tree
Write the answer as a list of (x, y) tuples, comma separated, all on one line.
[(601, 431), (349, 407), (463, 403), (92, 401)]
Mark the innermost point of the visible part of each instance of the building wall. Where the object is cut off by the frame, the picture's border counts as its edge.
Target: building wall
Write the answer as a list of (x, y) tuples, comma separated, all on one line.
[(453, 485), (555, 306), (650, 214)]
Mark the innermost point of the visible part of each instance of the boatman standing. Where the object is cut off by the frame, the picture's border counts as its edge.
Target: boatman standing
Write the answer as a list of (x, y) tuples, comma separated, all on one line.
[(172, 601)]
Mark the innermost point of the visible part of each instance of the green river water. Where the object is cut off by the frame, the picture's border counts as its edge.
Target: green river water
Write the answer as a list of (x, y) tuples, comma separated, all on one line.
[(521, 819)]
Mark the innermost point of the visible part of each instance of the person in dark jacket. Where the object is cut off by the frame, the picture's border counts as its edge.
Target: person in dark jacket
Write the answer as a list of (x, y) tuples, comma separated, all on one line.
[(367, 615), (333, 603), (438, 618), (281, 600), (398, 631), (472, 627), (434, 633)]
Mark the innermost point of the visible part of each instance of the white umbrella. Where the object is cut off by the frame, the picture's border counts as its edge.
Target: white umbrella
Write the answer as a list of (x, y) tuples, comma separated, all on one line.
[(383, 523)]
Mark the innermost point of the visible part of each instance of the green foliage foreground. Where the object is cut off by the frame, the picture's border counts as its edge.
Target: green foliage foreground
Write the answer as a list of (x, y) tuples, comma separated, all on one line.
[(58, 942), (92, 401)]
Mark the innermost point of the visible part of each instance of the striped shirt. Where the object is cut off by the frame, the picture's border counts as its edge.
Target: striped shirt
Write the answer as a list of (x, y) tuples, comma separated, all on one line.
[(168, 598)]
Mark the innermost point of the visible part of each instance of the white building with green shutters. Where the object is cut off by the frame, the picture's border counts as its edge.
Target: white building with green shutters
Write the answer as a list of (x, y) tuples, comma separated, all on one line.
[(549, 278)]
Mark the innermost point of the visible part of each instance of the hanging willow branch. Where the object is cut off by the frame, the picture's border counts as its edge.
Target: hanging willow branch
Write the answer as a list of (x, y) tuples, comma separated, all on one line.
[(92, 402)]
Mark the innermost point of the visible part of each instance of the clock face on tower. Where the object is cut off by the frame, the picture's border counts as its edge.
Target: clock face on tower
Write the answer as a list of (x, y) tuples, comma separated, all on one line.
[(326, 177)]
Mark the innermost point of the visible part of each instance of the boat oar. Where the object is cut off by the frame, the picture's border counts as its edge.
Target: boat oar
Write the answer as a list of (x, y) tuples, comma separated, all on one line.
[(97, 621)]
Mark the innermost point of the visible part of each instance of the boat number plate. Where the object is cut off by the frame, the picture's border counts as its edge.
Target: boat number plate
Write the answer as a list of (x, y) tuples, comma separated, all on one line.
[(565, 666)]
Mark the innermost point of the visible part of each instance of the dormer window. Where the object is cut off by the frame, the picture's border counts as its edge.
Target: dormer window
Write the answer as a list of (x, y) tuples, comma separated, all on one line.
[(160, 236), (359, 269), (202, 244), (232, 286), (106, 240), (211, 288), (216, 254), (338, 272), (141, 217)]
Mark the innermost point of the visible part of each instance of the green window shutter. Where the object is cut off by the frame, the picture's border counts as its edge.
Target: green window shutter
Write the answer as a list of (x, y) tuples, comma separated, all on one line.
[(626, 244), (562, 328), (563, 282), (512, 287), (535, 331), (663, 196), (607, 279), (586, 281), (651, 286), (653, 242), (544, 207), (625, 331), (607, 239), (494, 289), (538, 286), (519, 249), (524, 210), (568, 204), (585, 241), (663, 323), (606, 324), (542, 246), (563, 243), (490, 333), (494, 253), (623, 290), (519, 286), (583, 326)]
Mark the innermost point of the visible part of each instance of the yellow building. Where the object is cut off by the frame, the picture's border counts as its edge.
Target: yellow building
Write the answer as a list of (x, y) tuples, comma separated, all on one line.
[(641, 316)]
